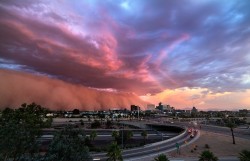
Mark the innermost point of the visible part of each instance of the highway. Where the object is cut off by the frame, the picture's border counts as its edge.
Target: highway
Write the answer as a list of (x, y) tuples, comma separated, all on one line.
[(152, 149), (106, 134), (169, 141)]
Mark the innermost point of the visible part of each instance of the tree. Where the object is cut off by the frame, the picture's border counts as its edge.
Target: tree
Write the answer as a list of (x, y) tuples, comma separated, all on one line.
[(128, 134), (231, 125), (114, 153), (161, 157), (207, 156), (93, 135), (144, 134), (68, 144), (244, 155), (115, 135), (19, 130), (124, 136), (76, 111)]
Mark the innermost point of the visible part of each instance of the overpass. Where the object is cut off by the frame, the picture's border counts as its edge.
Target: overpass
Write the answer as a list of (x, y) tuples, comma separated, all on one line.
[(153, 149)]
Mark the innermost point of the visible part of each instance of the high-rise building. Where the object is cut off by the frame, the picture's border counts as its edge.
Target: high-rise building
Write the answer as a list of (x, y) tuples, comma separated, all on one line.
[(134, 108), (160, 106)]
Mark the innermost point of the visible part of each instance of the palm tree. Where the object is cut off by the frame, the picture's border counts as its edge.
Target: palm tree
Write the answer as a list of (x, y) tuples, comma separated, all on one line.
[(231, 125), (114, 153), (115, 135), (161, 157), (244, 155), (144, 134), (129, 134), (93, 135), (207, 156)]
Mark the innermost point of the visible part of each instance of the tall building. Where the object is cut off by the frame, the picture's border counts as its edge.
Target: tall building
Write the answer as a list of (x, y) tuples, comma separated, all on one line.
[(160, 106), (134, 108), (194, 110)]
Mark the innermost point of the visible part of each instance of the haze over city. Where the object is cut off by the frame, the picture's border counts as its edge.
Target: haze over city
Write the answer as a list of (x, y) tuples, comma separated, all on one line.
[(111, 54)]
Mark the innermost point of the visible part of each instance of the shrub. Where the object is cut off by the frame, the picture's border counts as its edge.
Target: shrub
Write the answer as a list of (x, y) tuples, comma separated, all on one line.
[(207, 156), (244, 155), (161, 157)]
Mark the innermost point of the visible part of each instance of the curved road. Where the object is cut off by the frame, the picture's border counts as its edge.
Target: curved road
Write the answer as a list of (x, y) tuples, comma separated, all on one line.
[(152, 149)]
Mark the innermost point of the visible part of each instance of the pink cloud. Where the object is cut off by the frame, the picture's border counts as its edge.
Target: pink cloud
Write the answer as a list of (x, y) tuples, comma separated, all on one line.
[(56, 50)]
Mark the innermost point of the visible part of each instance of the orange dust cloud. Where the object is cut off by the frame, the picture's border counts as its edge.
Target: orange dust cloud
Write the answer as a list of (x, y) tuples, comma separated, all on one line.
[(18, 87)]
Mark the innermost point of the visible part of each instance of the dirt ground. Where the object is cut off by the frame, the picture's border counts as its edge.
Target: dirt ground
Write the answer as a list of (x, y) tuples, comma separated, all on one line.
[(220, 145)]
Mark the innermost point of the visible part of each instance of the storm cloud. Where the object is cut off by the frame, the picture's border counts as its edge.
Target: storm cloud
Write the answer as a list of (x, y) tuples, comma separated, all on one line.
[(17, 88), (141, 47)]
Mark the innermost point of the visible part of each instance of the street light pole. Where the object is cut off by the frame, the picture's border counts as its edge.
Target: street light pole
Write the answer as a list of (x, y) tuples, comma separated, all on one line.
[(122, 134), (138, 113)]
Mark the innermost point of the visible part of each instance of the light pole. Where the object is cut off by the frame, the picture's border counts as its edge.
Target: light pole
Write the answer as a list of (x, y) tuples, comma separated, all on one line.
[(122, 134), (138, 113)]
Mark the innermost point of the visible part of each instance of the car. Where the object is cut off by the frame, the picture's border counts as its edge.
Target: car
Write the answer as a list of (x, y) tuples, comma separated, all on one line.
[(189, 130)]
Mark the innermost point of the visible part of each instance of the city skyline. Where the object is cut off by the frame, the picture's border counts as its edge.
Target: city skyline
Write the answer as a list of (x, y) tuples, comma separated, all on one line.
[(96, 54)]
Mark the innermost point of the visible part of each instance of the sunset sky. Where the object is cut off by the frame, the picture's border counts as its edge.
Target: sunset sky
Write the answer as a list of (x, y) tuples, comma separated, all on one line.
[(97, 54)]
